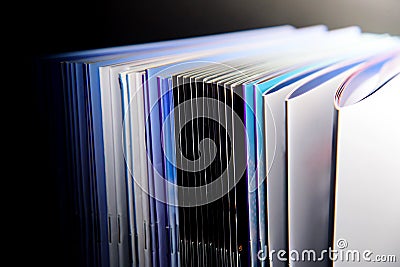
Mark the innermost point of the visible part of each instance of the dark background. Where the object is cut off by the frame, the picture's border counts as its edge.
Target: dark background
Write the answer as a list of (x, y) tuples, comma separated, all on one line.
[(60, 26), (75, 25)]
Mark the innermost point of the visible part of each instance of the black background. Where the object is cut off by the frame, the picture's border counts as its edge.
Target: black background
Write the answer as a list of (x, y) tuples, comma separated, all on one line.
[(60, 26)]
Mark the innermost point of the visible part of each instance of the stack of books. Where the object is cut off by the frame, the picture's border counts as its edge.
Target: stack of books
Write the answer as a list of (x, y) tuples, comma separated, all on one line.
[(254, 148)]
